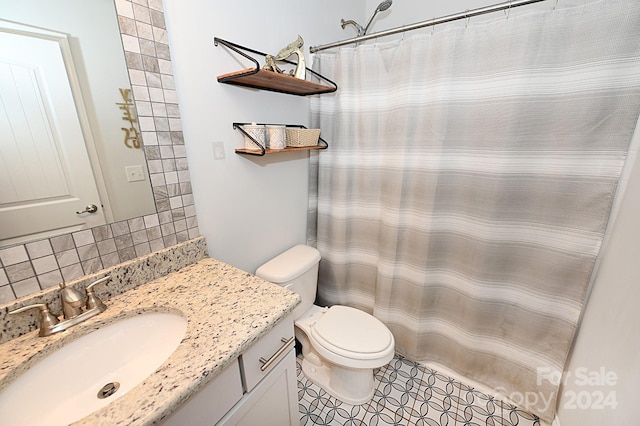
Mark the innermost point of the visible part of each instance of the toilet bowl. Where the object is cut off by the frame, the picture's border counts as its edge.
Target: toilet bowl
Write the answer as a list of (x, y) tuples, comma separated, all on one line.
[(341, 345)]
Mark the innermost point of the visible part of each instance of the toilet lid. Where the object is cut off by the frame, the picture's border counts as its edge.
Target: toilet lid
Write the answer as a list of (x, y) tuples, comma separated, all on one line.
[(352, 330)]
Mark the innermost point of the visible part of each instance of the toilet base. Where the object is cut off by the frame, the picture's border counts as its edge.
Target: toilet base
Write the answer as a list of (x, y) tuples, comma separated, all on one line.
[(350, 385)]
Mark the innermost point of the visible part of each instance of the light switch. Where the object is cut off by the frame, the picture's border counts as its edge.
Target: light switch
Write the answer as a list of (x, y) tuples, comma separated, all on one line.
[(134, 173), (218, 151)]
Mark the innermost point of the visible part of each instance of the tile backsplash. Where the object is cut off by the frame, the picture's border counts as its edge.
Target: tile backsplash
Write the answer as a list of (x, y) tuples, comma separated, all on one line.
[(29, 268), (124, 276)]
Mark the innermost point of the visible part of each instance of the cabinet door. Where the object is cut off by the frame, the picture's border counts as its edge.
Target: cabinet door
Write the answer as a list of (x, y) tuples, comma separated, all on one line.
[(273, 402), (212, 402), (257, 361)]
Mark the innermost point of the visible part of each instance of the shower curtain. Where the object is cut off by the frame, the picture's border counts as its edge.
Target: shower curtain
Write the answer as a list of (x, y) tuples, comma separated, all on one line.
[(468, 184)]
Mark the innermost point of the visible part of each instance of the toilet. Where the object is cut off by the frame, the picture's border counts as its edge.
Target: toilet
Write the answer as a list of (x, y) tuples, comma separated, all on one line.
[(341, 346)]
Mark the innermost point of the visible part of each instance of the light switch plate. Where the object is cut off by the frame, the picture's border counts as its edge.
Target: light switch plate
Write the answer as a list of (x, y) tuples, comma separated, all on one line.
[(134, 173), (218, 150)]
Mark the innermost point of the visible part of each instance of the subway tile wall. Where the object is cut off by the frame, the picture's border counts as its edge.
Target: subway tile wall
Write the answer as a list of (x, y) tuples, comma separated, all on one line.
[(29, 268)]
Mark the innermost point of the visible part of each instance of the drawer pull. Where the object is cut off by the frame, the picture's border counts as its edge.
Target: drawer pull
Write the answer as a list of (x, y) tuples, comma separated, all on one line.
[(266, 363)]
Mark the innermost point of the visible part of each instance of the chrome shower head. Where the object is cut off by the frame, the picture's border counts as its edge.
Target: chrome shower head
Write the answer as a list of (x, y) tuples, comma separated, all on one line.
[(362, 31), (386, 4)]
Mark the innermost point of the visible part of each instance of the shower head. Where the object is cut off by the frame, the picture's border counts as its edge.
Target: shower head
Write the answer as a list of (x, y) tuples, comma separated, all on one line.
[(386, 4)]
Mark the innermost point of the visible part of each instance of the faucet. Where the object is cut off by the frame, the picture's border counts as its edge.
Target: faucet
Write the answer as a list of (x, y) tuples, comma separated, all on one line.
[(72, 301), (76, 308)]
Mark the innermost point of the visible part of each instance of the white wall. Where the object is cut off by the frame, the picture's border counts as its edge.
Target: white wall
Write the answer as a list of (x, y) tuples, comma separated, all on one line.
[(607, 346), (251, 209), (248, 208), (406, 12)]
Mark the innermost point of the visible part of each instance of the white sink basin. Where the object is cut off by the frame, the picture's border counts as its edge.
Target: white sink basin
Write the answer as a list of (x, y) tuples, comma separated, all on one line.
[(64, 387)]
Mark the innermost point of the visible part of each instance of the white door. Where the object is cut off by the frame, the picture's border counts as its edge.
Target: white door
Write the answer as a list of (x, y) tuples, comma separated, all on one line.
[(45, 172)]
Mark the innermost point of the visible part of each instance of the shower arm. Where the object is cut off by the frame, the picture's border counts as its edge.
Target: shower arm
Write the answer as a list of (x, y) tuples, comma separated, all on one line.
[(359, 28)]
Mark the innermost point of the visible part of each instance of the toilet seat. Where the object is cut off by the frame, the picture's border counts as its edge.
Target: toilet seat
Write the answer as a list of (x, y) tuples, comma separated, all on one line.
[(351, 337)]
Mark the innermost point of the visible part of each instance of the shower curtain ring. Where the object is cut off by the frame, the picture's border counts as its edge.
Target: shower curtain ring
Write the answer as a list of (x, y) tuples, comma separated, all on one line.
[(556, 5), (467, 17), (506, 12)]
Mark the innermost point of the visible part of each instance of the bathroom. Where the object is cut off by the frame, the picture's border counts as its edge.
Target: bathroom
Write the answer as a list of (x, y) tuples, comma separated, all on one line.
[(252, 209)]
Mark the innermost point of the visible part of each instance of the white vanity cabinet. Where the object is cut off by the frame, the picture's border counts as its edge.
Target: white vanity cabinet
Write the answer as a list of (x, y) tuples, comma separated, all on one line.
[(269, 381), (259, 388), (212, 402)]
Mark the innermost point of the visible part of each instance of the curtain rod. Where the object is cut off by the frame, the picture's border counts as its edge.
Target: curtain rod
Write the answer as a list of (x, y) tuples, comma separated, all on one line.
[(462, 15)]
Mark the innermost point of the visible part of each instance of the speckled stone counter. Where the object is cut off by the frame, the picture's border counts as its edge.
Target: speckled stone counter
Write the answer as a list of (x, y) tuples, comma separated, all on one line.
[(124, 277), (227, 311)]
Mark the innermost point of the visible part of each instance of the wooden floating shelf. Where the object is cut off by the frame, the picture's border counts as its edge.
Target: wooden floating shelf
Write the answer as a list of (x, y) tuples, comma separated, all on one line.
[(275, 82), (322, 144), (278, 151), (259, 78)]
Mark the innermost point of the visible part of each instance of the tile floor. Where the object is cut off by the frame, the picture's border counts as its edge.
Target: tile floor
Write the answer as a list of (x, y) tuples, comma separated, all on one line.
[(408, 393)]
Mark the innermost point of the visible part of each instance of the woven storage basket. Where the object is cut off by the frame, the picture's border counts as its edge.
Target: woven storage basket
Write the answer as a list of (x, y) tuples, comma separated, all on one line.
[(302, 137)]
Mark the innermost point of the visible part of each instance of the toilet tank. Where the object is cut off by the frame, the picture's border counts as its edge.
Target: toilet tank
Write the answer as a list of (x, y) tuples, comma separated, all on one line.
[(297, 270)]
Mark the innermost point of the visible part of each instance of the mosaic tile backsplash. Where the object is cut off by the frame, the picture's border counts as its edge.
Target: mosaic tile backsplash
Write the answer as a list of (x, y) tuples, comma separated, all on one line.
[(28, 268)]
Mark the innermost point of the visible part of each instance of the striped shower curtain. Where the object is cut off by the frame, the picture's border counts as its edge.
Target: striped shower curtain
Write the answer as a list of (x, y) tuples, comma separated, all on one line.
[(469, 182)]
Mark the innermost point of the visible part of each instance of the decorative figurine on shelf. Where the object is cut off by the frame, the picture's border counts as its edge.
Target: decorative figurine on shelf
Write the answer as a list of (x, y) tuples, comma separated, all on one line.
[(270, 65), (290, 49)]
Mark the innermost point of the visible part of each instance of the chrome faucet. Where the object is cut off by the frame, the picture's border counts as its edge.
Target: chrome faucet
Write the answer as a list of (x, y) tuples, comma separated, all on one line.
[(76, 308), (72, 301)]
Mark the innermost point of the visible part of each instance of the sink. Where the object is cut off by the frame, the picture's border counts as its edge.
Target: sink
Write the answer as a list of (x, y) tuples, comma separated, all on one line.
[(92, 371)]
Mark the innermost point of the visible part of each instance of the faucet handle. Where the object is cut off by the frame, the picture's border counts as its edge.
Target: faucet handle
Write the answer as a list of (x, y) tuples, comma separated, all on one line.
[(94, 301), (47, 319)]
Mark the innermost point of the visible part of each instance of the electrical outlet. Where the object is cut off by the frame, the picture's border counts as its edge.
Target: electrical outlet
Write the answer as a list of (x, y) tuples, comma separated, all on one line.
[(218, 150), (134, 173)]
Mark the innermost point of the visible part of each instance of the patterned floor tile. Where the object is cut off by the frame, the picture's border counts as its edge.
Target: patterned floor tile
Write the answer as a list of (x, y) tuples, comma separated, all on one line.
[(478, 408), (398, 388), (437, 385), (436, 412), (514, 416), (407, 393)]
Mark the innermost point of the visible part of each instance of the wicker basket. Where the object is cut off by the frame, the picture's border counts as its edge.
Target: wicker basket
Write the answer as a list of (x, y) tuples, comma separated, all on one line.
[(302, 137)]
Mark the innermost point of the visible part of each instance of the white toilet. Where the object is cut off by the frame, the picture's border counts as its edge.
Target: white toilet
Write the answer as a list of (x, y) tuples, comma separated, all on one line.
[(340, 345)]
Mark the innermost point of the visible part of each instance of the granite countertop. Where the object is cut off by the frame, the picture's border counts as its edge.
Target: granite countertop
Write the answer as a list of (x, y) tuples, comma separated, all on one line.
[(227, 310)]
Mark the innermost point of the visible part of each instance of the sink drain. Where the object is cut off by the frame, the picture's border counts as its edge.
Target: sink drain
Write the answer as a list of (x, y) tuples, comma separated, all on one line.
[(108, 390)]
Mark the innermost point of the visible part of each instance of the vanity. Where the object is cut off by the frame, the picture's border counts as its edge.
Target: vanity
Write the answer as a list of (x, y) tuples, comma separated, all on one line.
[(234, 365)]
